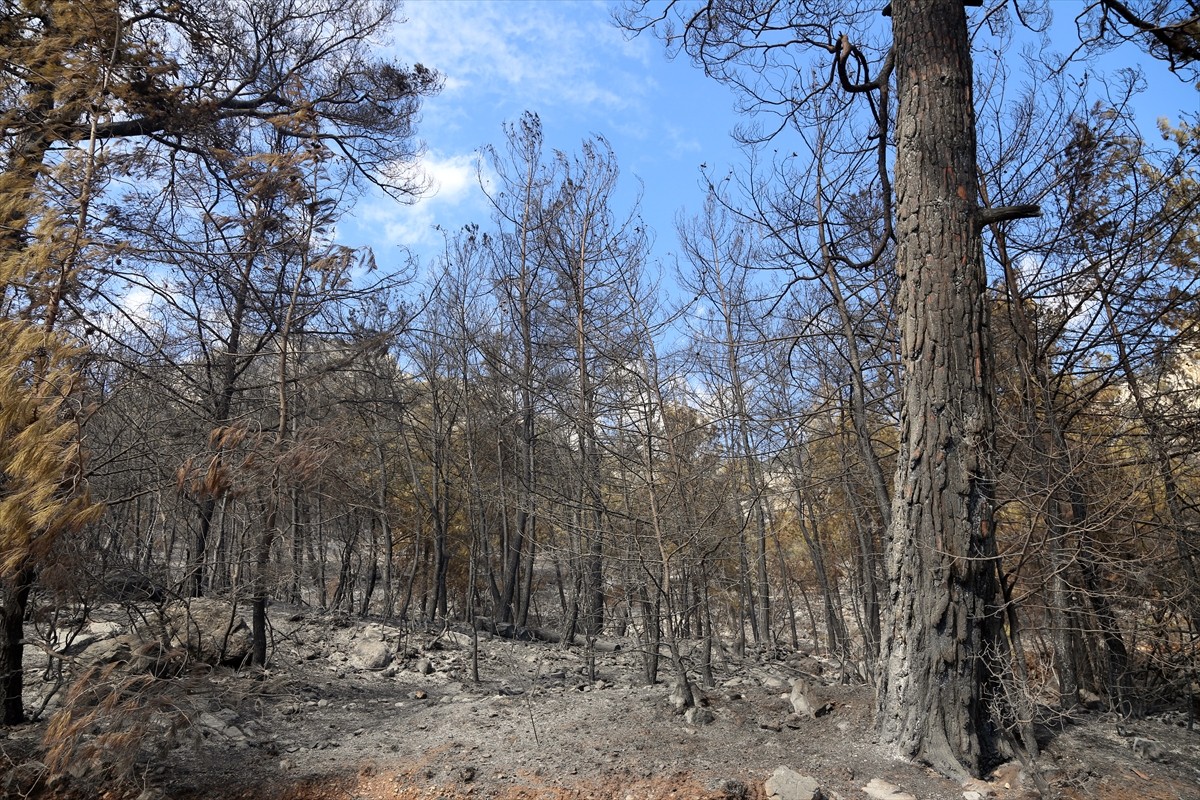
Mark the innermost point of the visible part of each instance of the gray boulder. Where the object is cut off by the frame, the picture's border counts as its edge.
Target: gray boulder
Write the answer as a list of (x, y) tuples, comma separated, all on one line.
[(109, 651), (787, 784), (806, 702), (371, 655), (213, 631)]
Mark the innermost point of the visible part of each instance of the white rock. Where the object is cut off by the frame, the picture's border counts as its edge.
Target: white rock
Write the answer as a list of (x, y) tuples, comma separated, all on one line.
[(787, 784), (879, 789)]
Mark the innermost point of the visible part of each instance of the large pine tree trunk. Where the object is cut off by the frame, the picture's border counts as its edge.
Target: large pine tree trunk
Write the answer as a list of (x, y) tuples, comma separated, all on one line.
[(934, 675)]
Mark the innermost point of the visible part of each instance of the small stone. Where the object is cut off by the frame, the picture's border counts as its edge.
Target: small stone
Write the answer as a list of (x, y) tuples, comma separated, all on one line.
[(424, 666), (285, 765), (879, 789), (323, 703), (698, 716), (787, 784)]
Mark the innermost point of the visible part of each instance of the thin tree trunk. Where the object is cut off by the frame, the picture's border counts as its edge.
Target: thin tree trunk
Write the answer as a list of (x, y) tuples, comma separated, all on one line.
[(15, 598)]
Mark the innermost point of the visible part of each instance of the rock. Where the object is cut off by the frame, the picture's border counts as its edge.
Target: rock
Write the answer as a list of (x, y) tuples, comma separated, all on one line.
[(977, 789), (698, 716), (131, 586), (160, 662), (773, 683), (879, 789), (210, 721), (213, 631), (1009, 775), (787, 784), (21, 780), (110, 651), (424, 666), (371, 655), (806, 702), (1148, 749), (83, 639)]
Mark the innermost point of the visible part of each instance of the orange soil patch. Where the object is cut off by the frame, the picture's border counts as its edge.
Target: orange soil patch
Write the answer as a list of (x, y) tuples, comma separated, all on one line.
[(525, 786)]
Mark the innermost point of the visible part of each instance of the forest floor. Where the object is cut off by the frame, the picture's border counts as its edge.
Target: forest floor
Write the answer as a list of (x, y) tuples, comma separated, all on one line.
[(318, 725)]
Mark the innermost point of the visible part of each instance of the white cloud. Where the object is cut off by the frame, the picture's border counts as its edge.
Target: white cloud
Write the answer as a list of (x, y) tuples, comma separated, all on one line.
[(451, 179), (534, 54), (453, 198)]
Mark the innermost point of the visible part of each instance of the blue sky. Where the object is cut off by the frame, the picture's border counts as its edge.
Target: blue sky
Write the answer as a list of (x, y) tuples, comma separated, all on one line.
[(565, 60)]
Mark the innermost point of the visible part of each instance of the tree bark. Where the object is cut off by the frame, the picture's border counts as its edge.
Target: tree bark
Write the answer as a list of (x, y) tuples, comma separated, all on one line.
[(12, 648), (935, 679)]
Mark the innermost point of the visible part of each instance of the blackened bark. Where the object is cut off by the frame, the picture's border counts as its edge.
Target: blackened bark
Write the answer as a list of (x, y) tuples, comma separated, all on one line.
[(935, 679), (12, 647)]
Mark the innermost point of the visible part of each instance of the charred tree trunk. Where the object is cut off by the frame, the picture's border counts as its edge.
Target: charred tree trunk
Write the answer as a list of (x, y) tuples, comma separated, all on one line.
[(12, 649), (935, 675)]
